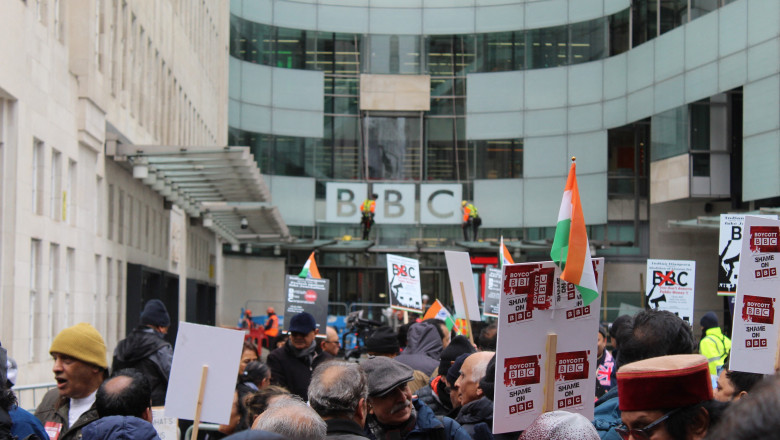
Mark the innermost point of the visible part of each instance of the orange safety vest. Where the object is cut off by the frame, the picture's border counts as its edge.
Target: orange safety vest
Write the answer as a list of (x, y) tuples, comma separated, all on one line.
[(273, 330), (368, 206)]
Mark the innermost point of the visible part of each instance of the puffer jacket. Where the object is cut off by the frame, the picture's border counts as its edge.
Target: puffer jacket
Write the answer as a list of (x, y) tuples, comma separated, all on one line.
[(119, 428)]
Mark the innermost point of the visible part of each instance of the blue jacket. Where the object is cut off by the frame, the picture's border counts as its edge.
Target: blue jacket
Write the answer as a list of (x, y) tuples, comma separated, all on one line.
[(606, 415), (429, 426), (119, 428), (25, 424)]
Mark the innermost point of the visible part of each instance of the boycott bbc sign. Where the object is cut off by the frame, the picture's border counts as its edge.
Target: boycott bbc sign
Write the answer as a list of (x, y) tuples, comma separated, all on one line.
[(396, 204)]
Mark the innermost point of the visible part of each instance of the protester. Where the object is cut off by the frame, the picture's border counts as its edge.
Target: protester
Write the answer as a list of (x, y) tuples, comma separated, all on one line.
[(256, 376), (15, 421), (605, 363), (291, 365), (392, 411), (383, 341), (79, 368), (444, 331), (331, 343), (258, 402), (423, 347), (488, 337), (271, 328), (255, 434), (650, 333), (249, 353), (120, 428), (292, 418), (753, 418), (437, 393), (452, 381), (714, 345), (734, 385), (127, 393), (475, 407), (338, 392), (560, 425), (617, 331), (146, 350), (471, 220), (667, 397)]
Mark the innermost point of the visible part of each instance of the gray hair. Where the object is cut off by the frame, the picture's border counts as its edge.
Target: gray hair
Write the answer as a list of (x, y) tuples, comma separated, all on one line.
[(291, 417), (479, 369), (336, 389)]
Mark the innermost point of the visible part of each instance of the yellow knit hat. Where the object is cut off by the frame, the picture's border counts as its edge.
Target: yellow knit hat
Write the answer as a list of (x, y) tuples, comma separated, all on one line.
[(82, 342)]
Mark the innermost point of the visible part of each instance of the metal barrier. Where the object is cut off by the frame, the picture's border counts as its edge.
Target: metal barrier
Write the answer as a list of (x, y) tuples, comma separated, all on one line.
[(29, 396), (201, 427)]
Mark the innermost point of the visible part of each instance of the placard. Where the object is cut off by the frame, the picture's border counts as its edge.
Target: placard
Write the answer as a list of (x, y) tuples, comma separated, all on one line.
[(403, 279), (670, 286), (166, 427), (534, 303), (729, 247), (308, 295), (754, 339), (198, 345), (492, 292), (464, 292)]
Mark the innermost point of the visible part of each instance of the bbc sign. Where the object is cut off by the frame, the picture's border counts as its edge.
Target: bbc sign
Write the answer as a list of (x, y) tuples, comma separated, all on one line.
[(397, 204)]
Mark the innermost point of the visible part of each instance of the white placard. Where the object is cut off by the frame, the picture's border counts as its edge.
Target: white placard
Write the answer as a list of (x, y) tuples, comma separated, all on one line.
[(754, 333), (464, 293), (535, 303), (403, 278), (729, 247), (196, 346), (670, 286), (166, 427)]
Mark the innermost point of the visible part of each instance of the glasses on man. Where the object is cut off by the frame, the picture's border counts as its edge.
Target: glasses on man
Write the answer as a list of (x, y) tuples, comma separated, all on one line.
[(647, 431)]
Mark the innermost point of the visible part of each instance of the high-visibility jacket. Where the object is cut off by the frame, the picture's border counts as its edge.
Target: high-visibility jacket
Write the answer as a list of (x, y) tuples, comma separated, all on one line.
[(369, 206), (715, 346), (272, 326), (469, 211)]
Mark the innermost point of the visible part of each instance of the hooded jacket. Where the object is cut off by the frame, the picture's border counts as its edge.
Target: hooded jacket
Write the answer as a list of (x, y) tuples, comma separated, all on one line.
[(423, 348), (474, 413), (119, 428), (145, 350)]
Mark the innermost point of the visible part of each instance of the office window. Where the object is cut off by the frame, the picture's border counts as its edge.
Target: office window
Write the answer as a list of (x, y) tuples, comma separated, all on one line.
[(35, 289), (55, 185), (37, 177), (69, 285), (98, 207), (69, 197), (499, 158), (97, 294), (54, 282)]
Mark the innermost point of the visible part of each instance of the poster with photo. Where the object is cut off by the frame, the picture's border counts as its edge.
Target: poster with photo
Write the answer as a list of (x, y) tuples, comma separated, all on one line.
[(306, 295), (729, 248), (403, 279), (670, 286), (492, 292)]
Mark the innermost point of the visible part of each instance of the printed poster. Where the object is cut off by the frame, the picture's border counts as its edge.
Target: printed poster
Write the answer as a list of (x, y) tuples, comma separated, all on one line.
[(535, 302), (492, 292), (729, 247), (754, 339), (306, 295), (403, 278), (670, 286)]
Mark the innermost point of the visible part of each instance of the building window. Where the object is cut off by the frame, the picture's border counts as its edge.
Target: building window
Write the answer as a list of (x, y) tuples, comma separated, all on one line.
[(69, 284), (97, 294), (98, 207), (37, 177), (54, 283), (498, 159), (627, 164), (394, 146), (55, 195), (120, 217), (70, 192), (35, 289)]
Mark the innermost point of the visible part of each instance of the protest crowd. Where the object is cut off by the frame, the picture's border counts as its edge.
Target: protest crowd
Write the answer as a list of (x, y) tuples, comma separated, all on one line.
[(432, 384)]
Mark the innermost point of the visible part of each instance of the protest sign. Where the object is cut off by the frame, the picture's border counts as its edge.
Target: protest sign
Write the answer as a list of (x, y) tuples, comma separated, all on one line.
[(166, 427), (308, 295), (403, 279), (492, 292), (729, 246), (546, 355), (670, 286), (754, 339), (464, 293), (219, 349)]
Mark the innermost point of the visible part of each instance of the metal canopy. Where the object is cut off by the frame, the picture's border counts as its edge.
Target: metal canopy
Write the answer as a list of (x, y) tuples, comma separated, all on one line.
[(221, 184), (712, 223)]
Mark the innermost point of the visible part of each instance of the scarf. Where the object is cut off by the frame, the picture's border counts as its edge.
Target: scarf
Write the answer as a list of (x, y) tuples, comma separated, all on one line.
[(307, 354)]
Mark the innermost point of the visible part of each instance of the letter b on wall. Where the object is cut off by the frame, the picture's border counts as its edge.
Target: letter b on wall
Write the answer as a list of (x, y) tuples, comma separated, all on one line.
[(343, 201)]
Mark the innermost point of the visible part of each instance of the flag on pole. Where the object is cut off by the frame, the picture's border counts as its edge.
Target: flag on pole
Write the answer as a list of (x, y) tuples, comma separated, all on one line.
[(503, 255), (438, 311), (570, 249), (310, 269)]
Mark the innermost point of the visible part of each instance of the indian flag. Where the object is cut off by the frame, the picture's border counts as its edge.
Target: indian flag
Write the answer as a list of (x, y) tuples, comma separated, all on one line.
[(503, 255), (310, 268), (570, 249), (438, 311)]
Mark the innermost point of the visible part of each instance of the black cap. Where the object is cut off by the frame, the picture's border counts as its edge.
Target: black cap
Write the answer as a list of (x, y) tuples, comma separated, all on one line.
[(709, 320), (156, 314), (302, 323), (384, 375), (458, 345), (454, 371), (383, 340)]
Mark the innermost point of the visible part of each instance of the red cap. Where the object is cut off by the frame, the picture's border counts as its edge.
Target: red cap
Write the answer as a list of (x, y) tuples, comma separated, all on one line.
[(664, 382)]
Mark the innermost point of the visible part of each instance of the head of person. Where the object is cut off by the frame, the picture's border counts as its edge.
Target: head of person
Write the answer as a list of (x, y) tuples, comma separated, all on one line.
[(331, 343), (248, 354), (444, 332), (126, 393), (403, 333), (464, 203), (282, 339), (293, 418), (754, 417), (667, 398), (654, 333), (257, 373), (452, 379), (383, 341), (80, 366), (155, 315), (339, 390), (257, 402), (560, 425), (708, 321), (488, 382), (601, 341), (734, 385), (472, 371), (270, 311), (374, 196), (618, 328), (303, 330), (389, 397), (458, 346), (488, 337), (7, 397)]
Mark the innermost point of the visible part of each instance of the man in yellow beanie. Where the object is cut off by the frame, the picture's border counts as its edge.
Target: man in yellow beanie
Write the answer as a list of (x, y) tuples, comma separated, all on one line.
[(80, 367)]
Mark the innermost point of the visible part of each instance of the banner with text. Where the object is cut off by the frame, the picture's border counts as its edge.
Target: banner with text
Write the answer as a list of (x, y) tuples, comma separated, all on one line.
[(403, 279), (670, 286), (308, 295), (754, 333), (492, 292), (534, 303), (729, 247)]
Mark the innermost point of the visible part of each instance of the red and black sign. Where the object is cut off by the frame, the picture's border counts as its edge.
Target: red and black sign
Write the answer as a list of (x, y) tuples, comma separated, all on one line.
[(572, 365), (578, 312), (541, 299), (569, 401), (519, 371), (520, 316), (518, 279), (521, 407), (758, 309), (766, 272), (764, 239), (755, 343)]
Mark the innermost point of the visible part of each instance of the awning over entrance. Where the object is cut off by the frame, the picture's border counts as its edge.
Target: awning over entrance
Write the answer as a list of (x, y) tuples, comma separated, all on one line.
[(223, 185), (712, 222)]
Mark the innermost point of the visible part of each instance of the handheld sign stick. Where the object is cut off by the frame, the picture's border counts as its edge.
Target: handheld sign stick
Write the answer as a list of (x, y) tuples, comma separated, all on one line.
[(466, 308), (199, 406), (549, 385)]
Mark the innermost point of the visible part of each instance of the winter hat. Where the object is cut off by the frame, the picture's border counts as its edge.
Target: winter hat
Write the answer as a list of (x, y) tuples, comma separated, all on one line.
[(709, 320), (383, 340), (664, 382), (454, 371), (560, 425), (458, 345), (384, 375), (155, 314), (302, 323), (82, 342), (488, 383)]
